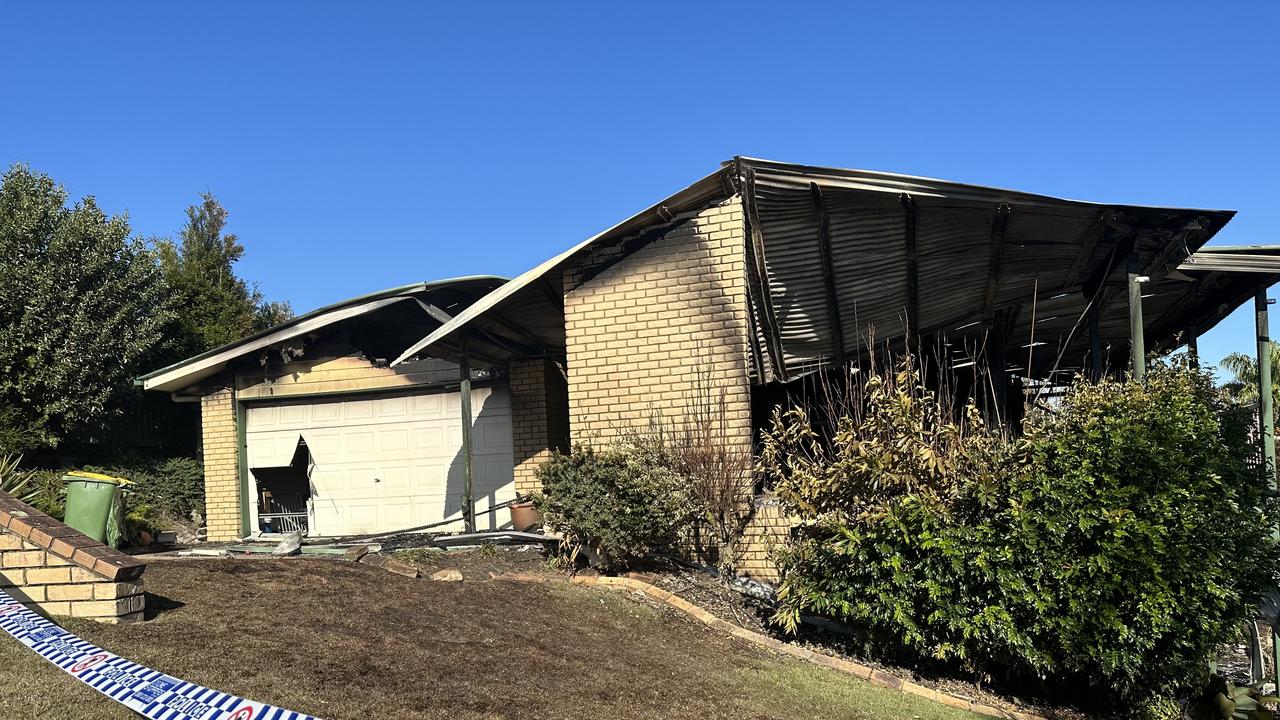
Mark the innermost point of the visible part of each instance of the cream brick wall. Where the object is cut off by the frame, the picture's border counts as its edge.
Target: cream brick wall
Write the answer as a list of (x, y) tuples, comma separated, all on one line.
[(221, 466), (769, 527), (639, 333), (52, 585), (539, 417)]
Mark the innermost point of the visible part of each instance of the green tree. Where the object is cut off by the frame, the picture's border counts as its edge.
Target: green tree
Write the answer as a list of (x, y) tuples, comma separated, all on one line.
[(1243, 384), (215, 306), (82, 306)]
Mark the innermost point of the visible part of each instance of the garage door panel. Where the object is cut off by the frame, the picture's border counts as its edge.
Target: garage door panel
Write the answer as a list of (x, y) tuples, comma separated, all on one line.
[(325, 414), (429, 438), (357, 410), (492, 435), (495, 399), (393, 442), (387, 463), (391, 408)]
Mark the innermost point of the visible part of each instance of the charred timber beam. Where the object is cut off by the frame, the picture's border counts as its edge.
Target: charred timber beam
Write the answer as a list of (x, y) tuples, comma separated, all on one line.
[(758, 279), (998, 224), (442, 317), (913, 268), (828, 272), (1092, 235)]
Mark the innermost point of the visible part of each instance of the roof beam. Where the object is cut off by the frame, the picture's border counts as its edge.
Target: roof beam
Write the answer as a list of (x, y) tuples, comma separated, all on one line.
[(494, 339), (913, 268), (526, 337), (828, 272), (999, 222), (1096, 231), (758, 278)]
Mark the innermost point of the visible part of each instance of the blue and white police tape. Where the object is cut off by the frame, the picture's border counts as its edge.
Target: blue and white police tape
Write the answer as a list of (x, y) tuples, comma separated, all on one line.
[(148, 692)]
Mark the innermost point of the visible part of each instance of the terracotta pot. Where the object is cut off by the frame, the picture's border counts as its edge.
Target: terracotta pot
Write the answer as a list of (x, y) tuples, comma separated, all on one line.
[(524, 517)]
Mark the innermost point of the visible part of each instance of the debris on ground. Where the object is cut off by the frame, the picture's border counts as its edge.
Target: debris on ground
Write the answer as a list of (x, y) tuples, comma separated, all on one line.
[(447, 575), (291, 544), (356, 552), (390, 564)]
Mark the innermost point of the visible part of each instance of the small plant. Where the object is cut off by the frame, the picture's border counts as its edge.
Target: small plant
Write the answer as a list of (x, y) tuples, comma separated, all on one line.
[(22, 484), (611, 504)]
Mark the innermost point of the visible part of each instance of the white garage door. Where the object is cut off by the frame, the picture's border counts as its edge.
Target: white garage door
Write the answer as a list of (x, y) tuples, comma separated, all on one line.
[(384, 463)]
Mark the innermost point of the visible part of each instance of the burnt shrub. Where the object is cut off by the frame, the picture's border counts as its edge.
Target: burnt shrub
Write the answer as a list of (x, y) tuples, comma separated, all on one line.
[(1108, 549)]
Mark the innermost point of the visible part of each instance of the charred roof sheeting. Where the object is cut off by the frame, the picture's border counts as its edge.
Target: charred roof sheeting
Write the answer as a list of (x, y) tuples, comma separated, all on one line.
[(536, 296), (384, 321), (951, 255)]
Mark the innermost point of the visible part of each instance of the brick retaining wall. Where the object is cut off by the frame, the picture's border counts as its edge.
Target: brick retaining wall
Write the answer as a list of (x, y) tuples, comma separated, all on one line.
[(56, 570)]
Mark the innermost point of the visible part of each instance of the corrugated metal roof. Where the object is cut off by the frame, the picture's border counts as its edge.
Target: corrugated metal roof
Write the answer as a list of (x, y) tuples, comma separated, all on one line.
[(1053, 253), (896, 237)]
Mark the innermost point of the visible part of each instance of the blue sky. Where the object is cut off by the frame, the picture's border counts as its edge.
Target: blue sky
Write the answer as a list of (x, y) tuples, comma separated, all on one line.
[(360, 146)]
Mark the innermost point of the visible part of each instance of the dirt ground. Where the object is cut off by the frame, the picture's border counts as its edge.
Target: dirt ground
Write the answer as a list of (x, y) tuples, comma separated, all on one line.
[(344, 641)]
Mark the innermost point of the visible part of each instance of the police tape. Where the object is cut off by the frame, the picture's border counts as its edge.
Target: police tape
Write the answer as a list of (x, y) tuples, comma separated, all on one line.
[(148, 692)]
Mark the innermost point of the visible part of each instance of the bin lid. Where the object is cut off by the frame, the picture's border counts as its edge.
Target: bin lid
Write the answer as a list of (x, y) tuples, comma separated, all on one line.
[(99, 477)]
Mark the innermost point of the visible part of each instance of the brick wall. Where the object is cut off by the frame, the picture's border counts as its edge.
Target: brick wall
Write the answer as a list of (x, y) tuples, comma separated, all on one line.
[(221, 466), (539, 417), (55, 570), (641, 327), (645, 328), (768, 527)]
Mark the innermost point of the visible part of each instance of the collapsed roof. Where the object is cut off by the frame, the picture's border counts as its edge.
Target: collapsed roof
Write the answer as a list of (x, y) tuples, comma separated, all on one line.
[(382, 323), (835, 257)]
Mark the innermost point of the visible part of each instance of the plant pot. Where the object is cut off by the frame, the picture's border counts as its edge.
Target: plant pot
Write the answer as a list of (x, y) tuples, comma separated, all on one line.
[(525, 517)]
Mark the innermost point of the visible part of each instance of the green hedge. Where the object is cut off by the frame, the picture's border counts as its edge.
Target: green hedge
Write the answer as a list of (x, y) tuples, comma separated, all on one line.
[(619, 504), (1108, 550)]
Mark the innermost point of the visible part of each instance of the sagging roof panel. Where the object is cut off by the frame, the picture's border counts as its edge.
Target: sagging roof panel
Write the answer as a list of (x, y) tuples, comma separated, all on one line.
[(443, 297), (947, 258)]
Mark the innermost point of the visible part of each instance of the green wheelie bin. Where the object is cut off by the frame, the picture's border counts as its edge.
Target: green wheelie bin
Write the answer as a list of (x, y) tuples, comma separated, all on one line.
[(90, 500)]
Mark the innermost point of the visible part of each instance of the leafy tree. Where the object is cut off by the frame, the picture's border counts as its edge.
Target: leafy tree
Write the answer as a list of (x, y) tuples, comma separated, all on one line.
[(81, 307), (1244, 370), (215, 306)]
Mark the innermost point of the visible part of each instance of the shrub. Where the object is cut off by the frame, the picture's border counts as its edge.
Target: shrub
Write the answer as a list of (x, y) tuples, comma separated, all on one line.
[(715, 468), (168, 487), (617, 504), (1108, 548)]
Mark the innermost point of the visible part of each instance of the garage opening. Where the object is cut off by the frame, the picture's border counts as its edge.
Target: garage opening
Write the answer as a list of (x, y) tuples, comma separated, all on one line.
[(284, 493)]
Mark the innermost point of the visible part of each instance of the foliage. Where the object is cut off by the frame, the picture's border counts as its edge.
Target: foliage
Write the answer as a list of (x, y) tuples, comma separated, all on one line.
[(16, 481), (215, 306), (1109, 547), (81, 307), (714, 468), (616, 504), (49, 492), (1243, 384), (163, 489)]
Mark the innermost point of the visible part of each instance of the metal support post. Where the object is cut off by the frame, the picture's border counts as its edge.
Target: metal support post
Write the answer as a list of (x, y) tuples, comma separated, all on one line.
[(464, 390), (1136, 342)]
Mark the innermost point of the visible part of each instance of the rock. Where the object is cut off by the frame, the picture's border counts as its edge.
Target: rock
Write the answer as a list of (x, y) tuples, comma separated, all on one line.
[(390, 564), (447, 575)]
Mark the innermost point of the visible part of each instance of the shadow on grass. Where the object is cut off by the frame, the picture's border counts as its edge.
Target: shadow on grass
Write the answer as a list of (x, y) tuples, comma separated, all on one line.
[(158, 604)]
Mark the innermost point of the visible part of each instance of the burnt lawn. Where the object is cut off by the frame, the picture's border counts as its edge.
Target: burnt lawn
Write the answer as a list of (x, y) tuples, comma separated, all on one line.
[(346, 641)]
